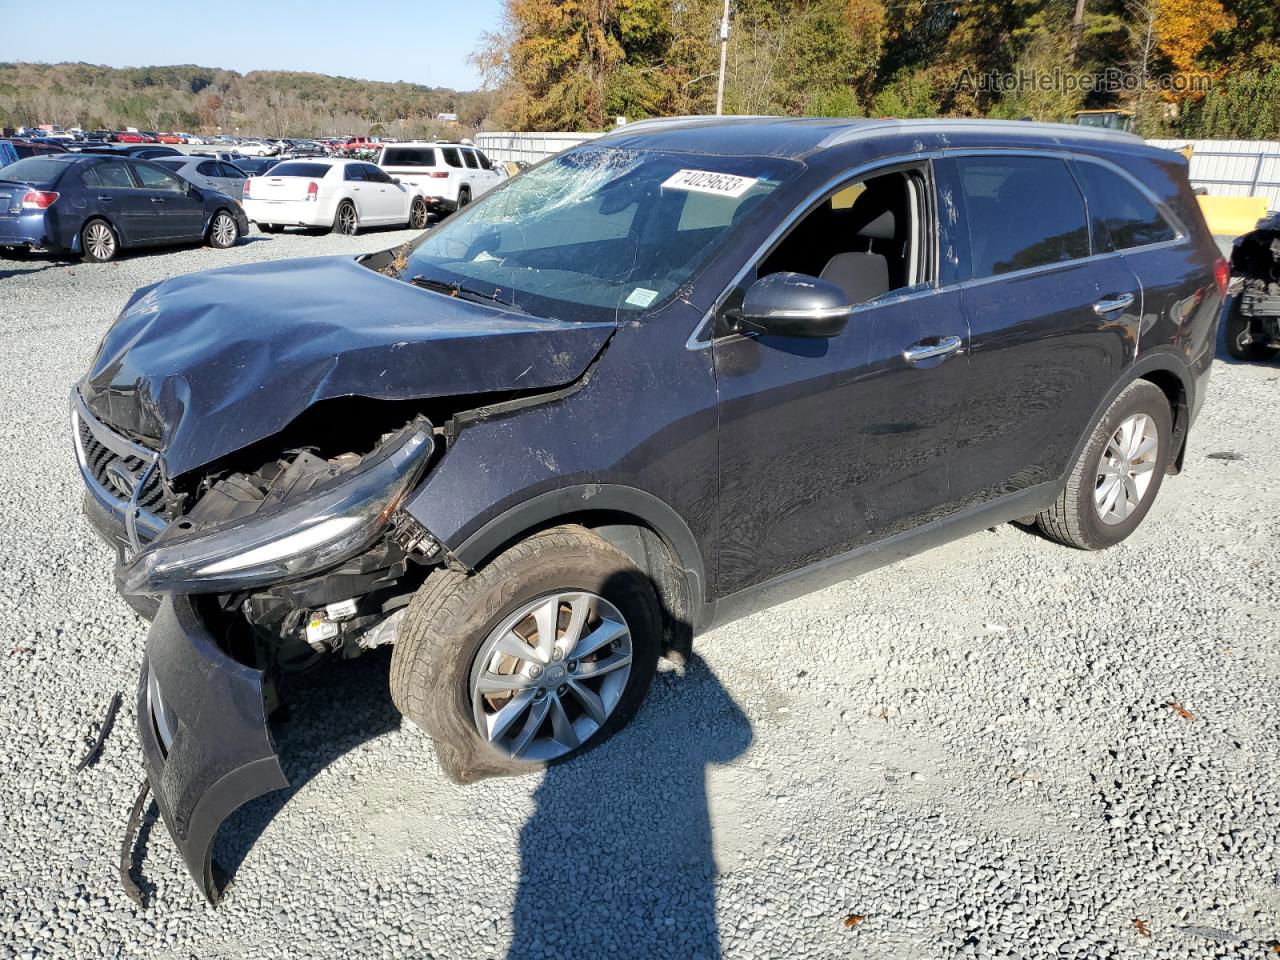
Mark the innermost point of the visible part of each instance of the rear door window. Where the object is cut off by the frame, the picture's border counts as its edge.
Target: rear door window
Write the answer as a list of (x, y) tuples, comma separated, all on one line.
[(1121, 216), (154, 178), (1023, 212), (354, 171), (210, 168), (111, 173), (451, 157)]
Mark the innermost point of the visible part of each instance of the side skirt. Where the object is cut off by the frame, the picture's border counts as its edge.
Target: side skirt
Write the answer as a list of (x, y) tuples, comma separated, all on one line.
[(872, 556)]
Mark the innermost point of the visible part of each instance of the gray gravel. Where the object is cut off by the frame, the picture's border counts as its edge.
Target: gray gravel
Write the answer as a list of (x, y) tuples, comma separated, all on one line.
[(973, 751)]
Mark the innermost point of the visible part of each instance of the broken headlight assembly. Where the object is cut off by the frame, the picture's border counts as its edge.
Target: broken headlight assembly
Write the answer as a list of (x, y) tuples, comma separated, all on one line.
[(332, 522)]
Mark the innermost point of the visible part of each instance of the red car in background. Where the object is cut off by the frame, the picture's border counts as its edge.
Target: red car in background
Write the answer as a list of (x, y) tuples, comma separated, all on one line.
[(170, 138), (133, 137)]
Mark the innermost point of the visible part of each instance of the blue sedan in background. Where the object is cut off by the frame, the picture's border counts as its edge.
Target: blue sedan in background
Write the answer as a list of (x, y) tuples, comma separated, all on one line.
[(95, 205)]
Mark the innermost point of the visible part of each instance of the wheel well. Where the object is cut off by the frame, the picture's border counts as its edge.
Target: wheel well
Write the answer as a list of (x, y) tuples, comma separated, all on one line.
[(649, 551), (1175, 391)]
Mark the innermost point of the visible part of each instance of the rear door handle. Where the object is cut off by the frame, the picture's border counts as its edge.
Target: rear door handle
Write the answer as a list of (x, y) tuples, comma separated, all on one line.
[(931, 347), (157, 199), (1111, 304), (104, 198)]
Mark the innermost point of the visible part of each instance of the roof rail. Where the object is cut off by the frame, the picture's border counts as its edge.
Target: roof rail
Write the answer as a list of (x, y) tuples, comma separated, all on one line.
[(942, 125), (654, 123)]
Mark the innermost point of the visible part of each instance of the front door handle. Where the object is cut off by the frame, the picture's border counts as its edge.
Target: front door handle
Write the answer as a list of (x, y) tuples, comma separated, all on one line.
[(931, 347), (157, 199), (1111, 304), (104, 198)]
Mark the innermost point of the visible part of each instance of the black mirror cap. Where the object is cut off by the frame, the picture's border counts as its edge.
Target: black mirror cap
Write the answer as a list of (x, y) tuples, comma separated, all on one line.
[(794, 305)]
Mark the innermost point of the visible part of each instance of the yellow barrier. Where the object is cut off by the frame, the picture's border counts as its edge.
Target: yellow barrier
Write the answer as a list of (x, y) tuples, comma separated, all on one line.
[(1232, 216)]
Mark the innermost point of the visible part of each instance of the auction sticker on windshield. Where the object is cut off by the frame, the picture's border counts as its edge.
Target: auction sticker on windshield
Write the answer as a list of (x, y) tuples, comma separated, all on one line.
[(707, 181)]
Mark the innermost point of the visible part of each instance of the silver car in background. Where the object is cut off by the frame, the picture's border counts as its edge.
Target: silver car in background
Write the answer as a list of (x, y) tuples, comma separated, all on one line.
[(208, 172)]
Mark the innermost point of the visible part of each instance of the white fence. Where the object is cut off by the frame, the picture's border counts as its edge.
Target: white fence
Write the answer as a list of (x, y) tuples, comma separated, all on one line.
[(1225, 168), (529, 147), (1234, 168)]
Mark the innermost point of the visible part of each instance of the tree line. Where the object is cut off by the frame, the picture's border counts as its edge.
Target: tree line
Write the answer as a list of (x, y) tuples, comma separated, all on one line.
[(1194, 68), (197, 99)]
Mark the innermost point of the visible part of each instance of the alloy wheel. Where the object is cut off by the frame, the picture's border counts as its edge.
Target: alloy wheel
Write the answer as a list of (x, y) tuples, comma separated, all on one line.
[(418, 216), (224, 230), (347, 219), (1126, 468), (100, 241), (550, 675)]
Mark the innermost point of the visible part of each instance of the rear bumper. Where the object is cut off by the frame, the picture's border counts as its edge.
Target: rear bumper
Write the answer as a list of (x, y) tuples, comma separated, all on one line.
[(203, 728), (27, 230), (289, 213)]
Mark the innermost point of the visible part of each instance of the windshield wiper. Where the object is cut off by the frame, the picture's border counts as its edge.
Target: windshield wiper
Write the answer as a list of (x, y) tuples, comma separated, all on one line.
[(465, 293)]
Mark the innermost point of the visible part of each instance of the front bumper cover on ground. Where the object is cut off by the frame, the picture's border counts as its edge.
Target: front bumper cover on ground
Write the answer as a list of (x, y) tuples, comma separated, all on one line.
[(204, 734)]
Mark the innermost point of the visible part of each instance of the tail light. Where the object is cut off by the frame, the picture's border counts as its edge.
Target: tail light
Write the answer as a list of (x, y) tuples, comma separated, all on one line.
[(246, 190), (38, 199), (438, 174), (313, 191), (1222, 274)]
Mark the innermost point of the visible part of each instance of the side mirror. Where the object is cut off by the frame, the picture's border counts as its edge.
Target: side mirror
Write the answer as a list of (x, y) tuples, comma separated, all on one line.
[(395, 180), (793, 305)]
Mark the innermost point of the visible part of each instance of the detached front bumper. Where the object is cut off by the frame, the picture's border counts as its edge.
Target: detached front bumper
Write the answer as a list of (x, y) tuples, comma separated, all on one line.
[(203, 727)]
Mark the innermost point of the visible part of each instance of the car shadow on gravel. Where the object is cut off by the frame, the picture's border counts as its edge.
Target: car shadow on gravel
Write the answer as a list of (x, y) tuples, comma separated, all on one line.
[(617, 858)]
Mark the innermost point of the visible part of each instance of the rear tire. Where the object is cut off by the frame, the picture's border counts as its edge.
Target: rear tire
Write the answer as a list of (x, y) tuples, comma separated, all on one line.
[(1237, 332), (418, 214), (345, 221), (98, 241), (464, 197), (1092, 512), (448, 644)]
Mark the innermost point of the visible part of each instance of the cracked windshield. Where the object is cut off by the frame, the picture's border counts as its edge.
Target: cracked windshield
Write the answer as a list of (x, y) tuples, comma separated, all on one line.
[(595, 231)]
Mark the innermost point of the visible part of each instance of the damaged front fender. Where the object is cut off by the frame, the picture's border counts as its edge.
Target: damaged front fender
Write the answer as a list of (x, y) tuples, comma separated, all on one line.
[(205, 740)]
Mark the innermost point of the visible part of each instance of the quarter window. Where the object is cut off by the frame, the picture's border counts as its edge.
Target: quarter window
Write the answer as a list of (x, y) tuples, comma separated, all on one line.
[(1122, 217), (1023, 212)]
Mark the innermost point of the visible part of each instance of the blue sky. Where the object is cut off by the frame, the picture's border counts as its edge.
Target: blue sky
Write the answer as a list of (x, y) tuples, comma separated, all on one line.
[(425, 42)]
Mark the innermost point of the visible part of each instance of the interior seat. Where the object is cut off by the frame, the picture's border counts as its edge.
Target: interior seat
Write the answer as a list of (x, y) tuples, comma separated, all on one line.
[(863, 274)]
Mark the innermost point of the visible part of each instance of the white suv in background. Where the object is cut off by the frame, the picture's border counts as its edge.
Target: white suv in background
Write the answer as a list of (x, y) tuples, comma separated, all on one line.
[(449, 175)]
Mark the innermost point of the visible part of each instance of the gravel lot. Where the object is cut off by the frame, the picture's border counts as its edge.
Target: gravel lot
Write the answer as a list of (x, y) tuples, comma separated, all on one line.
[(976, 751)]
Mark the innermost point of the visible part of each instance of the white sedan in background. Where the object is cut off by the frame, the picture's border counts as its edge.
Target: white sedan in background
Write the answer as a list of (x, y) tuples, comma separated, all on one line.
[(343, 195)]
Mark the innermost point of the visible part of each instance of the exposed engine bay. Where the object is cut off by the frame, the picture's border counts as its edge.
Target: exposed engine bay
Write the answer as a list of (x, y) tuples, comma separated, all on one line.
[(1255, 268)]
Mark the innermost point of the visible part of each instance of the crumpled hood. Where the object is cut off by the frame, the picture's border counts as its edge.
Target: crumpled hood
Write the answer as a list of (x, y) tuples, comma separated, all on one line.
[(206, 364)]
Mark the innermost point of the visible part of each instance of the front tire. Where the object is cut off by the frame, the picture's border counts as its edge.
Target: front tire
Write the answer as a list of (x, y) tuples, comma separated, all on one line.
[(224, 232), (1118, 475), (1238, 332), (345, 221), (544, 652), (98, 241)]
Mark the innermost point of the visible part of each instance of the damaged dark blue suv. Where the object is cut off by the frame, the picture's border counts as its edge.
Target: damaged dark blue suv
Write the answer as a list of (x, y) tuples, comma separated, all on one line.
[(681, 372)]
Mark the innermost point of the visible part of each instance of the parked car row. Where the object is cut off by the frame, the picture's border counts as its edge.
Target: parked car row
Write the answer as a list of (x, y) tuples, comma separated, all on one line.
[(95, 200)]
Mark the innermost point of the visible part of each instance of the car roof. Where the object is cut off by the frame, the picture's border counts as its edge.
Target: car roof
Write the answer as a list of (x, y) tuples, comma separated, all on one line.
[(800, 137)]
